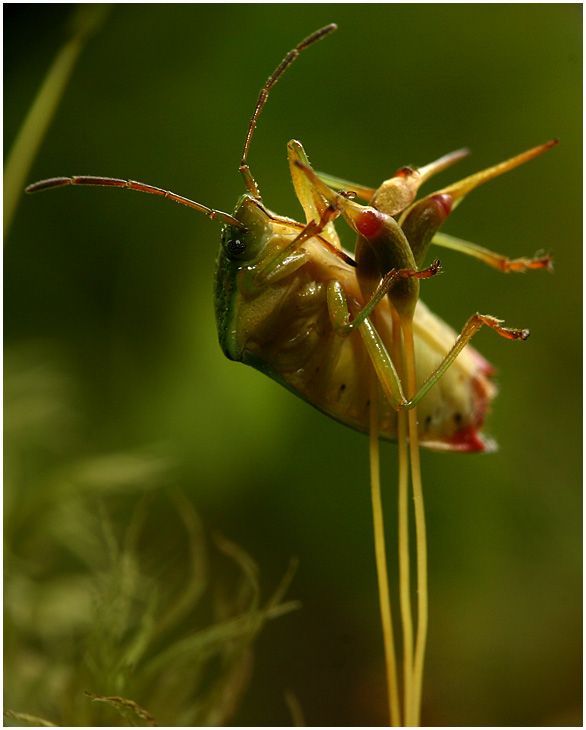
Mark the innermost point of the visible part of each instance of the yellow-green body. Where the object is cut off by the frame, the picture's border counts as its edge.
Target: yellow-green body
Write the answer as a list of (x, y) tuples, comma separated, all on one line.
[(285, 331)]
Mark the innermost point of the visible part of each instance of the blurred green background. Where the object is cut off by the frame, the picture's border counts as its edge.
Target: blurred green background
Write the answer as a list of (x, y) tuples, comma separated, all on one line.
[(111, 356)]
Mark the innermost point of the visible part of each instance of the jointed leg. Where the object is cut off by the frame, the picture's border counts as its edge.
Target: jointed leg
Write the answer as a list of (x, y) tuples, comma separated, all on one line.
[(375, 347), (291, 257), (381, 247), (312, 202), (337, 303), (381, 360), (406, 179), (474, 323), (390, 381), (496, 260)]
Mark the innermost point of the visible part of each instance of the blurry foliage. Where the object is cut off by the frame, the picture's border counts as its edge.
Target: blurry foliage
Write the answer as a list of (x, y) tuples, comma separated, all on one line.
[(119, 611), (85, 21)]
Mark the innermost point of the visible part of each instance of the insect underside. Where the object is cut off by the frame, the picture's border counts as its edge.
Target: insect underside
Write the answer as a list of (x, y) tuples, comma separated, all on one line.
[(349, 334), (285, 331)]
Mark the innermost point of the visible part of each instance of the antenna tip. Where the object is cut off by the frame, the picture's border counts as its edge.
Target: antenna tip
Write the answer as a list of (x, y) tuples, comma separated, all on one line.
[(52, 182), (32, 188), (318, 35)]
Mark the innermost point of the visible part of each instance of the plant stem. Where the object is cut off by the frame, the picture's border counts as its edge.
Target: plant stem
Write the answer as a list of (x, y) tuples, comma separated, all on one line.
[(403, 511), (381, 562), (420, 533), (86, 20)]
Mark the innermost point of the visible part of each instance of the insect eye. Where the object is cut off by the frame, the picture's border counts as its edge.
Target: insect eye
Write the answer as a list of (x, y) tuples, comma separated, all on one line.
[(235, 247), (234, 242)]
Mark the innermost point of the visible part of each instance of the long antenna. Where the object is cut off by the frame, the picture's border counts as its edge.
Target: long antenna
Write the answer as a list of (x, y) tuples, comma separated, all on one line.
[(250, 182), (113, 182)]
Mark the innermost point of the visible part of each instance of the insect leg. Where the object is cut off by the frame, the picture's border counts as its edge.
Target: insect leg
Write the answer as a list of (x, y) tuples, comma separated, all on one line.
[(496, 260), (421, 221), (474, 323), (291, 257), (342, 202), (396, 193), (313, 204), (338, 308), (381, 246), (365, 220), (383, 365)]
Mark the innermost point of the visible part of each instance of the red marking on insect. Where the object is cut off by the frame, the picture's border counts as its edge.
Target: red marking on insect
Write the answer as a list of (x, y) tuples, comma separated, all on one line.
[(369, 223), (468, 440)]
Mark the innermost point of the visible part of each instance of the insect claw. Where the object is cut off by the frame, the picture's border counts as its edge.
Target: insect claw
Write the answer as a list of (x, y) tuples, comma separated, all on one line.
[(436, 268), (514, 334), (508, 333), (433, 270)]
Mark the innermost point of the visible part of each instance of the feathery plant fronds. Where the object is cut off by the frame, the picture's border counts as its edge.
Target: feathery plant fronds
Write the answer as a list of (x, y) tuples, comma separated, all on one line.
[(114, 613)]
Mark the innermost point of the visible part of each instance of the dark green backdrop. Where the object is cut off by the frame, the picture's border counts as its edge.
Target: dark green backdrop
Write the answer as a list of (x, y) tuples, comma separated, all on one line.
[(114, 292)]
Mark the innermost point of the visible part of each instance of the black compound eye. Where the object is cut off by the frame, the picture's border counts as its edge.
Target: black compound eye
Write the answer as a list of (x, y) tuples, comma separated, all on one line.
[(234, 242), (235, 247)]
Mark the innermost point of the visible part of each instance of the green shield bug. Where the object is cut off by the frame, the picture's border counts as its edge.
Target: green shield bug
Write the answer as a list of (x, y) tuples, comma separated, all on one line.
[(349, 334)]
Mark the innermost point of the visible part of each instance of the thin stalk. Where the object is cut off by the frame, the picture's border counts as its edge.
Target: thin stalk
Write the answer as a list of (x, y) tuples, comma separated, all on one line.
[(381, 562), (86, 20), (403, 510), (420, 533)]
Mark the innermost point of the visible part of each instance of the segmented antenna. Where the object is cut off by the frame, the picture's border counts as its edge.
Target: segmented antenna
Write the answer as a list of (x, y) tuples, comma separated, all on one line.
[(113, 182), (250, 182)]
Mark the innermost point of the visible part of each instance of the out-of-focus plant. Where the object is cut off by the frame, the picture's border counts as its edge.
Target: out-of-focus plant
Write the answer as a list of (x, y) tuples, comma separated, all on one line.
[(118, 609), (86, 20)]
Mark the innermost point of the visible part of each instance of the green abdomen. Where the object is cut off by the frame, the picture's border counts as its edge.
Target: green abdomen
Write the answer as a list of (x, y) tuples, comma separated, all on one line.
[(288, 336)]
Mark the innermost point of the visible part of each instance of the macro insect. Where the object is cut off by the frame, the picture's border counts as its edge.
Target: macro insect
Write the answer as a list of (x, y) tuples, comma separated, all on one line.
[(348, 333)]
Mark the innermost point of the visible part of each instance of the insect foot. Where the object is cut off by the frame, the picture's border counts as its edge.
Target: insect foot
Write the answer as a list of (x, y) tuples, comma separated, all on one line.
[(495, 324)]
